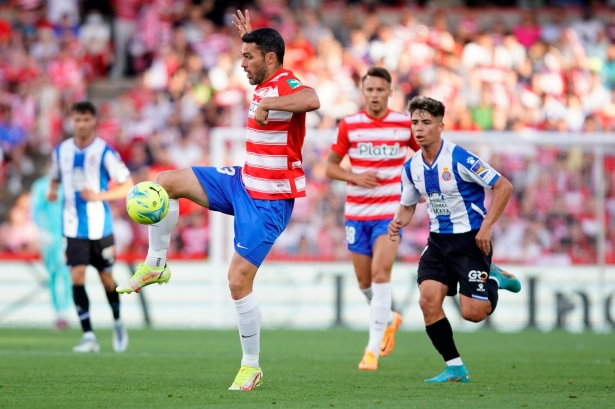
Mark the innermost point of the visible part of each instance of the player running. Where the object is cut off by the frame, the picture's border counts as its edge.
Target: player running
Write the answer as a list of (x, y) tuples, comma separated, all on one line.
[(459, 246), (376, 140), (260, 195), (84, 164)]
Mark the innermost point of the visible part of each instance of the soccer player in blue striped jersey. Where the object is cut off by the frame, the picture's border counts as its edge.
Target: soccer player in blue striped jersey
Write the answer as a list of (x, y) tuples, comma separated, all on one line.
[(458, 251), (85, 164)]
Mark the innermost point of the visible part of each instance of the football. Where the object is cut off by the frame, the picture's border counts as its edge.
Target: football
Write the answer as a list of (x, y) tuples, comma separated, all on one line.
[(147, 203)]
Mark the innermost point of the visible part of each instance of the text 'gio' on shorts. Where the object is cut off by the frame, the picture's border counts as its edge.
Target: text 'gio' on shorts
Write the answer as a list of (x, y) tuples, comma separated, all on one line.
[(258, 223), (456, 258), (362, 234)]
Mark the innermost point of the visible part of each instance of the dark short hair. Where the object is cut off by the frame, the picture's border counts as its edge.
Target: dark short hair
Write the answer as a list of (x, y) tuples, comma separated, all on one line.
[(267, 40), (83, 107), (377, 72), (435, 108)]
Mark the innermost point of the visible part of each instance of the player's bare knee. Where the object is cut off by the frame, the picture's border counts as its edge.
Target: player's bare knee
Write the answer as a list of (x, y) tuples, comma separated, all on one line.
[(163, 179), (239, 286), (429, 305), (381, 275)]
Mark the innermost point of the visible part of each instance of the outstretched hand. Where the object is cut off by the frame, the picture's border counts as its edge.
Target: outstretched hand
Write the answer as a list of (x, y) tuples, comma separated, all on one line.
[(242, 23)]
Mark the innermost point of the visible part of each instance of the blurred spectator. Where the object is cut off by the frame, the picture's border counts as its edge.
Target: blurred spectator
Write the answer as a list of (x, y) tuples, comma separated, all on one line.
[(95, 35), (124, 26), (528, 31), (19, 234)]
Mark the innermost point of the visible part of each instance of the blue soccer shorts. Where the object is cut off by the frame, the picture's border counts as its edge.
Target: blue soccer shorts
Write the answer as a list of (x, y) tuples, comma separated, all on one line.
[(362, 234), (258, 223)]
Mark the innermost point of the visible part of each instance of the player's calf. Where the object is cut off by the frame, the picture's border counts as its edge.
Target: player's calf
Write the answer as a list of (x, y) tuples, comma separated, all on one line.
[(474, 310)]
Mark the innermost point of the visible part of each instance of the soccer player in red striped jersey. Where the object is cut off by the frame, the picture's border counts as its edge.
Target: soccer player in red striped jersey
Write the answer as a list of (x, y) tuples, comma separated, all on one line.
[(376, 141), (260, 195)]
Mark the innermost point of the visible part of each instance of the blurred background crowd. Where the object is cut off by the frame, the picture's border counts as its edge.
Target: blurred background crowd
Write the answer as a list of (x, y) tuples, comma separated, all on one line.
[(163, 73)]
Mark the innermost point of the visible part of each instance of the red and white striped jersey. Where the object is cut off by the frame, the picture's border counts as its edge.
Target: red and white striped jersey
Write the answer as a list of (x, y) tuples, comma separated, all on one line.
[(273, 168), (379, 145)]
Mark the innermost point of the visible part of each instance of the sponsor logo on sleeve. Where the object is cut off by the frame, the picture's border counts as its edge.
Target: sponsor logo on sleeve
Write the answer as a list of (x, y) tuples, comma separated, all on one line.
[(482, 171), (293, 83)]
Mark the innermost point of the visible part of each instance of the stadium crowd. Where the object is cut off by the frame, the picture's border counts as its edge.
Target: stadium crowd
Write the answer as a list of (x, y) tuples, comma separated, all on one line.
[(531, 71)]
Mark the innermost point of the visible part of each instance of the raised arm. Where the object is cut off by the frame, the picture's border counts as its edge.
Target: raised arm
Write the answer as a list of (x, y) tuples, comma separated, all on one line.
[(241, 23)]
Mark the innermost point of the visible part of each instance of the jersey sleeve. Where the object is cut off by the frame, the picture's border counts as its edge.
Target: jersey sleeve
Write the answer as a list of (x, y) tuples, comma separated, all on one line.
[(290, 84), (473, 169), (115, 166), (54, 169), (341, 144), (409, 193)]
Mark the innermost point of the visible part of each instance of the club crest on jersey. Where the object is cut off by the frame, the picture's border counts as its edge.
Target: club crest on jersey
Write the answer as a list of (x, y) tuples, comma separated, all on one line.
[(378, 151), (293, 83), (446, 175), (437, 204)]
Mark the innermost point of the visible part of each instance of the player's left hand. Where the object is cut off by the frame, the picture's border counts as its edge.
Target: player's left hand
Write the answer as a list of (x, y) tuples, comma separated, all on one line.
[(88, 195), (241, 23), (261, 114), (483, 238)]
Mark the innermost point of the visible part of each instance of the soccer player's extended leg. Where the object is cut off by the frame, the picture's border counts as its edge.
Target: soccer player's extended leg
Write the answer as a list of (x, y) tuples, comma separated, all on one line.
[(440, 332), (180, 183), (119, 335), (82, 303), (506, 281), (241, 278)]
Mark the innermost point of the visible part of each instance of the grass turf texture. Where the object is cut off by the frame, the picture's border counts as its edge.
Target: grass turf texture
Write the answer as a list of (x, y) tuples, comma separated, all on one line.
[(304, 369)]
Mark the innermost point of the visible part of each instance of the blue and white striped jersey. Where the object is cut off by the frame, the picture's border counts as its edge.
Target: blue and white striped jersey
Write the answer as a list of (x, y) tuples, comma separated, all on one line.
[(454, 186), (90, 168)]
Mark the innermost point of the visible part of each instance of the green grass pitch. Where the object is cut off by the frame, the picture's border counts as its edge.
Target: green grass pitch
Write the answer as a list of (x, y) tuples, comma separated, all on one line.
[(304, 369)]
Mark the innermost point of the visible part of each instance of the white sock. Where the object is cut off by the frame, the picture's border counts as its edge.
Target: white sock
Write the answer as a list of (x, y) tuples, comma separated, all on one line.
[(367, 292), (160, 236), (249, 323), (380, 309), (455, 362), (89, 335)]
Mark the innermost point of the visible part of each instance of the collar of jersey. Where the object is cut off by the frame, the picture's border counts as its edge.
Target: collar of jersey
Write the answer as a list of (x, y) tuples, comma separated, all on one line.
[(376, 119), (268, 80), (435, 161), (82, 149)]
